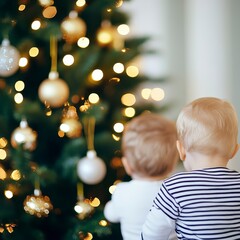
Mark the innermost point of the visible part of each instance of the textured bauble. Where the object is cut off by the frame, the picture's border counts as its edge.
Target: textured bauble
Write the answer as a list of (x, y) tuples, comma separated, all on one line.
[(24, 135), (72, 127), (91, 169), (37, 204), (9, 59), (84, 209), (53, 91), (73, 27)]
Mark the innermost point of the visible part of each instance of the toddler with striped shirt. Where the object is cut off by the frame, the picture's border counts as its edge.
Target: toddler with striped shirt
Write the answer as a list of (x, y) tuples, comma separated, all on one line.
[(204, 201)]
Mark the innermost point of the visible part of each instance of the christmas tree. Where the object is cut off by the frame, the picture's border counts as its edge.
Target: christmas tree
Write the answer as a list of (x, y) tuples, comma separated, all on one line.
[(68, 84)]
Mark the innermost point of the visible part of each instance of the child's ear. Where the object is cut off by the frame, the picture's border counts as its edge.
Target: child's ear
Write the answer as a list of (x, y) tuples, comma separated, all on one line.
[(181, 150), (127, 167), (235, 150)]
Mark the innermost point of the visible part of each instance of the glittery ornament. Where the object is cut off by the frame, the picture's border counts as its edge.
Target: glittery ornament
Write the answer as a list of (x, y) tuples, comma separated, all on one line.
[(53, 91), (9, 59), (73, 27), (91, 169), (84, 209), (24, 135), (37, 204)]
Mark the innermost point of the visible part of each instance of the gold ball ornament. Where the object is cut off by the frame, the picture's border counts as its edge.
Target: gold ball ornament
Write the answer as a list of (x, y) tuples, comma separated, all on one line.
[(9, 59), (24, 135), (53, 91), (37, 204), (91, 169), (84, 209), (73, 27), (72, 127)]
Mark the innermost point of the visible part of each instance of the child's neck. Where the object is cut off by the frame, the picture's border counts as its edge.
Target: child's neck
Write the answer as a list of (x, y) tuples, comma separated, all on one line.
[(196, 161)]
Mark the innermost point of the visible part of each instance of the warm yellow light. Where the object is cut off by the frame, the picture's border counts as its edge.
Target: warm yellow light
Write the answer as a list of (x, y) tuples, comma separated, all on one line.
[(18, 98), (83, 42), (68, 60), (61, 134), (118, 127), (119, 3), (157, 94), (103, 223), (104, 36), (132, 71), (49, 12), (16, 175), (64, 127), (123, 29), (8, 194), (3, 174), (93, 98), (19, 85), (128, 99), (112, 189), (88, 237), (118, 67), (36, 24), (95, 202), (116, 138), (129, 112), (23, 62), (33, 52), (21, 7), (3, 154), (97, 75), (80, 3), (146, 93), (3, 142)]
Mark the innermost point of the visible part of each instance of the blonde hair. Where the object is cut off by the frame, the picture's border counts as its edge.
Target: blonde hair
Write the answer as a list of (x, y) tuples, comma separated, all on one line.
[(210, 126), (149, 145)]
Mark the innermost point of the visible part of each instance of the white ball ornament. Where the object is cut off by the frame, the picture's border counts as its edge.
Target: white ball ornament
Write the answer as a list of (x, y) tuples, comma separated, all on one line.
[(91, 169), (9, 59), (53, 91)]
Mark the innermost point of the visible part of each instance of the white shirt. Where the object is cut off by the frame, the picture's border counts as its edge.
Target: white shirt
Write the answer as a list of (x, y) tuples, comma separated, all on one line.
[(130, 204)]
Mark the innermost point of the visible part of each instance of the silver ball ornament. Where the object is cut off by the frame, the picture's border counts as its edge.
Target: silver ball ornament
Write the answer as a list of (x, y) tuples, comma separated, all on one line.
[(9, 59), (91, 169)]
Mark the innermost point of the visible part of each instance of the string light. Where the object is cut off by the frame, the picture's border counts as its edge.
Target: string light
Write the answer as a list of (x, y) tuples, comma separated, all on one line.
[(49, 12), (68, 60), (128, 99), (36, 24), (3, 154), (132, 71), (118, 127), (93, 98), (19, 85), (146, 93), (80, 3), (129, 112), (3, 174), (21, 7), (33, 52), (23, 62), (97, 75), (16, 175), (8, 194), (18, 98), (123, 29), (118, 67), (157, 94), (83, 42)]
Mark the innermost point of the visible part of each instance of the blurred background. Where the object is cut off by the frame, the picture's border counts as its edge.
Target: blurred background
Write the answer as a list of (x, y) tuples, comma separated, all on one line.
[(72, 74)]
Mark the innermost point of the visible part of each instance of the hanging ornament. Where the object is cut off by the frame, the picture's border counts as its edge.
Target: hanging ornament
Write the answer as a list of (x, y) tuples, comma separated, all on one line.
[(53, 91), (107, 35), (73, 27), (37, 204), (9, 59), (70, 124), (83, 208), (24, 135), (91, 169)]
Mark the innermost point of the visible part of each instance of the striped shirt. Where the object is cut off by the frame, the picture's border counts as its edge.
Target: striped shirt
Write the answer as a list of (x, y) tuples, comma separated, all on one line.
[(205, 204)]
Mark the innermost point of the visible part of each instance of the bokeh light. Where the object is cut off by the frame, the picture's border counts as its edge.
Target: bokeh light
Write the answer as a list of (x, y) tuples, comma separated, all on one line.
[(128, 99), (118, 127), (97, 75)]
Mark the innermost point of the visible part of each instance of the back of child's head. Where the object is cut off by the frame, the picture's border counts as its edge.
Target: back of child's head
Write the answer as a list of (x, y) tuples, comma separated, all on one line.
[(208, 126), (149, 145)]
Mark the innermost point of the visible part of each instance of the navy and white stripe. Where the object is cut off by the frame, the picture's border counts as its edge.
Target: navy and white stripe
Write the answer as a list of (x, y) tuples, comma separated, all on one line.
[(204, 203)]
